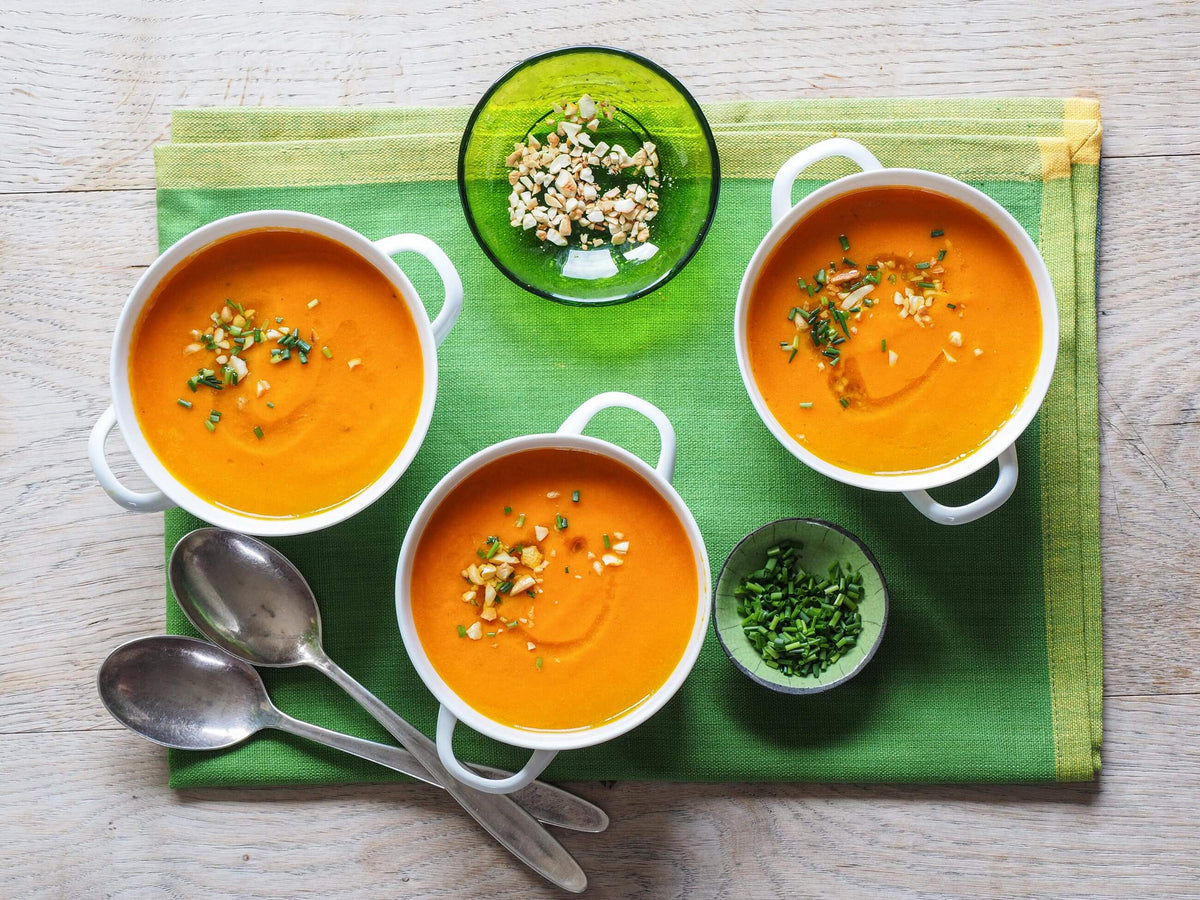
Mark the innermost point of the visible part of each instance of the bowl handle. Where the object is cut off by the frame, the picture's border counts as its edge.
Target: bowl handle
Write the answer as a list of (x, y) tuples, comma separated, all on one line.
[(1006, 483), (445, 747), (579, 419), (781, 190), (138, 501), (418, 243)]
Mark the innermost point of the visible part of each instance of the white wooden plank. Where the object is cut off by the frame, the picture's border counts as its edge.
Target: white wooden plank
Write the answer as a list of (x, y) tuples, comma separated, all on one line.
[(97, 820), (89, 91)]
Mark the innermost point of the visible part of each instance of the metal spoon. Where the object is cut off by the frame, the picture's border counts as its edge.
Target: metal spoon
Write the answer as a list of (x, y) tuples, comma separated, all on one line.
[(185, 693), (248, 599)]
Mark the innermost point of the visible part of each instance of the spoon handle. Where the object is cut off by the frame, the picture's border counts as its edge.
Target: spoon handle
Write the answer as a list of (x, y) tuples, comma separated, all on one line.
[(499, 814), (544, 802)]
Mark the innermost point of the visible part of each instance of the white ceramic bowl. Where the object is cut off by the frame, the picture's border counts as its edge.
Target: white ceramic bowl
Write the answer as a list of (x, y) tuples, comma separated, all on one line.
[(170, 492), (915, 486), (546, 744)]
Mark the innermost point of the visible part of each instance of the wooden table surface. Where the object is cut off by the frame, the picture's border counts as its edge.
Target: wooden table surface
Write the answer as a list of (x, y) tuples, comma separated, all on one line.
[(86, 90)]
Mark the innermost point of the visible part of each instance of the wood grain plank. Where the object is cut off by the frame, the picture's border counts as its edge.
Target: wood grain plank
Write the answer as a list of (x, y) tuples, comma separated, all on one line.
[(103, 794), (87, 94)]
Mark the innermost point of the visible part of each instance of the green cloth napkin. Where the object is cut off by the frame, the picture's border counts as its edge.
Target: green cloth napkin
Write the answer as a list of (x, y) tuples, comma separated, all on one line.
[(991, 666)]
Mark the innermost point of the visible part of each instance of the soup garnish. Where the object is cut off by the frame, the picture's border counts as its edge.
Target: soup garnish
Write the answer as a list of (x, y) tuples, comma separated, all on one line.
[(503, 573), (276, 373), (800, 623), (559, 185), (554, 589), (900, 318), (233, 332)]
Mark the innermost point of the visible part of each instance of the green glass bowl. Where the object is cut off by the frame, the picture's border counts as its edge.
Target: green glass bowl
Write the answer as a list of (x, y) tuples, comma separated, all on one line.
[(650, 105), (820, 544)]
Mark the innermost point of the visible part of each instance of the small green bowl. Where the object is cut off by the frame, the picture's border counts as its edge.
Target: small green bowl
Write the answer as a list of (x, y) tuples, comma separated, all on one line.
[(650, 105), (820, 544)]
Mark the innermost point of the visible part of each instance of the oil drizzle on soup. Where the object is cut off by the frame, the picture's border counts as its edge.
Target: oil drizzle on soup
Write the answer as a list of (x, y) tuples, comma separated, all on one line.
[(276, 373), (554, 590), (893, 330)]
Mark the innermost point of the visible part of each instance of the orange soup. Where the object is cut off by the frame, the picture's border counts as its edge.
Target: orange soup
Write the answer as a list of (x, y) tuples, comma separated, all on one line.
[(276, 373), (893, 330), (554, 589)]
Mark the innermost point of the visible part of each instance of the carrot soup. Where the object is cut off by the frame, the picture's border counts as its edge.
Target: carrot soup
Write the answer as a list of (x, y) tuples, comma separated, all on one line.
[(276, 373), (893, 330), (554, 589)]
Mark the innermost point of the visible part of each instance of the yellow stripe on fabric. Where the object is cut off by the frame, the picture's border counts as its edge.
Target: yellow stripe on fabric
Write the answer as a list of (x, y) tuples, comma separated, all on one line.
[(434, 157), (1081, 128), (1061, 558), (372, 160), (979, 115), (1056, 160), (759, 154), (237, 124)]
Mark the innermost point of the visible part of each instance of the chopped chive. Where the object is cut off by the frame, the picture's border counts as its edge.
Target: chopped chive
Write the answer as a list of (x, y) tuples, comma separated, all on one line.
[(567, 570), (819, 278), (873, 268), (327, 353), (508, 510), (803, 284), (926, 284), (941, 254), (851, 263), (793, 355), (922, 265), (807, 404), (892, 279), (187, 404), (462, 631), (279, 320), (574, 496), (512, 624), (842, 239), (560, 522), (936, 232), (208, 423), (270, 405), (951, 306), (538, 662), (258, 432), (883, 344), (845, 403), (215, 416), (491, 634), (607, 542)]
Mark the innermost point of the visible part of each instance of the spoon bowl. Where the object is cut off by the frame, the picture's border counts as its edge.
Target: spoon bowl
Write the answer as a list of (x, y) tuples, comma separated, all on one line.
[(183, 693), (246, 598)]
